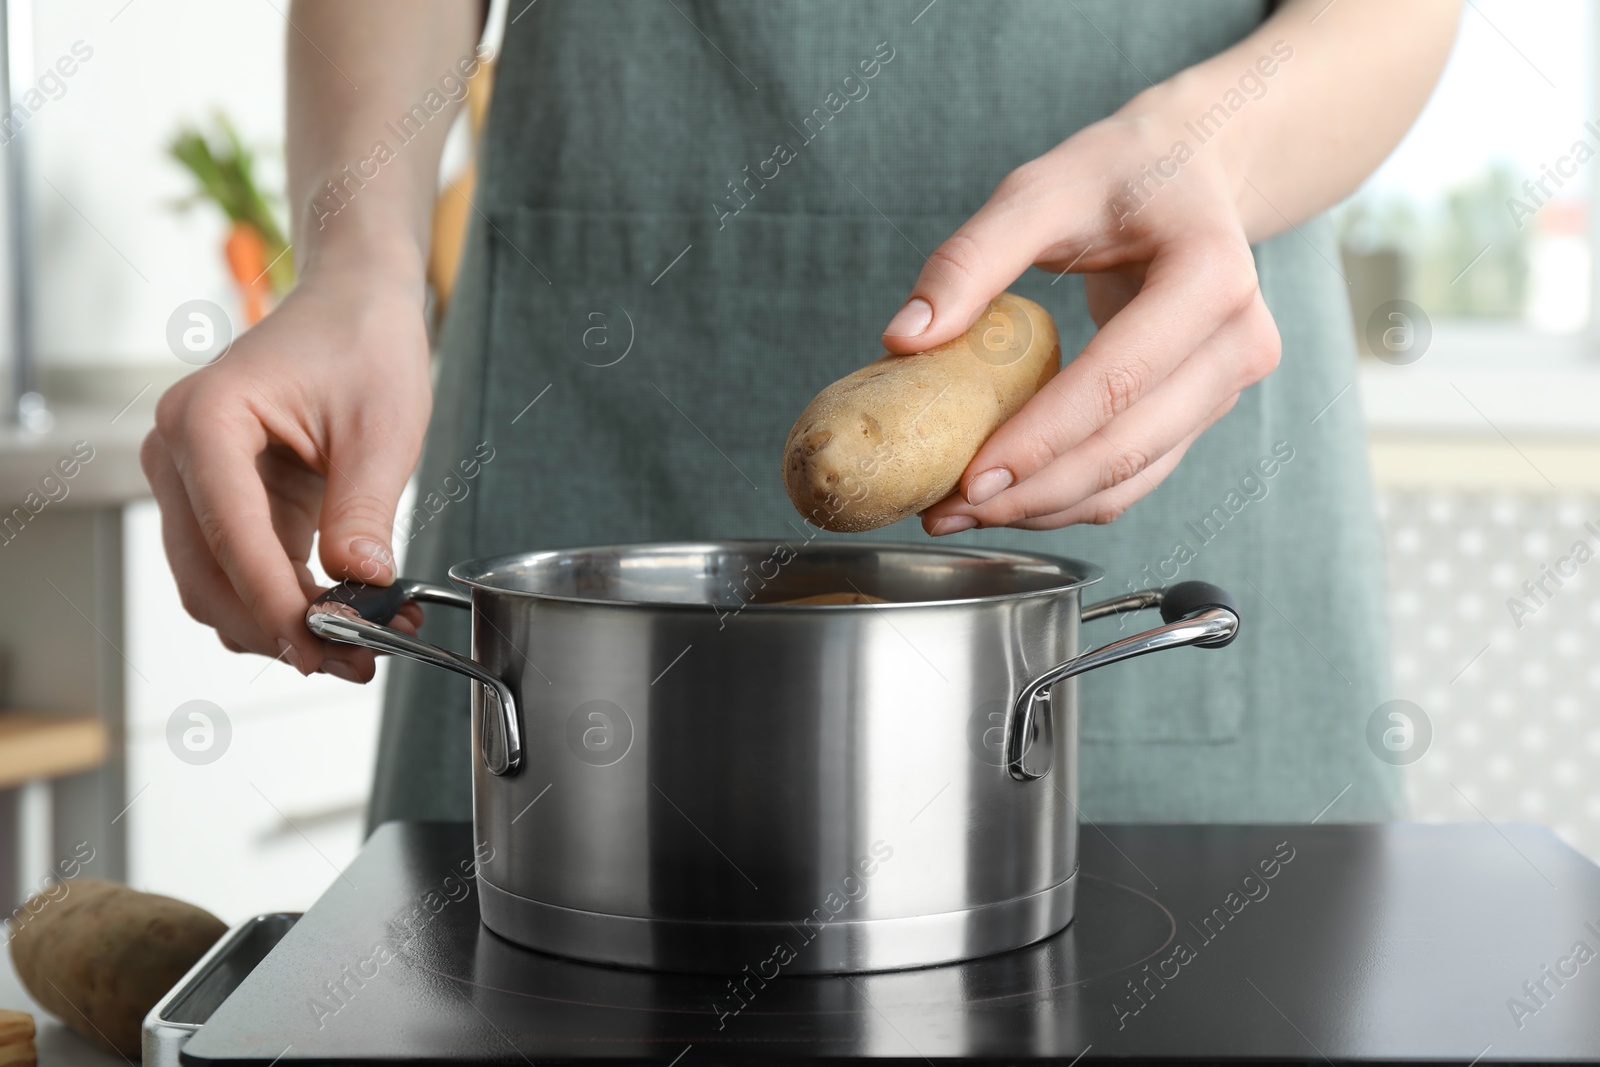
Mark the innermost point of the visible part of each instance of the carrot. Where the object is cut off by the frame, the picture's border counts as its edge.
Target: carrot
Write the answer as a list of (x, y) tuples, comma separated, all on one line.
[(246, 252)]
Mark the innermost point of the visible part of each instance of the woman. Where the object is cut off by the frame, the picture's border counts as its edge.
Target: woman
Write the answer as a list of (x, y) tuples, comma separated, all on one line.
[(734, 195)]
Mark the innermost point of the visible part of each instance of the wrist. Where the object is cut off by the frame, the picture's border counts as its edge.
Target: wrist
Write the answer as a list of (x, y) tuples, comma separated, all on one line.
[(377, 263), (374, 231), (390, 265), (1217, 109)]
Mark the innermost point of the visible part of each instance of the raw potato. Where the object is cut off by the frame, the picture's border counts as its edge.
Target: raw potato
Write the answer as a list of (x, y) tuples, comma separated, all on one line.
[(98, 955), (893, 438), (837, 598)]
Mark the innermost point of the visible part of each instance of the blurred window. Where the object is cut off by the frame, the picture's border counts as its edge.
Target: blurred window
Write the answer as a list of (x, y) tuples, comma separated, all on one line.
[(1482, 215)]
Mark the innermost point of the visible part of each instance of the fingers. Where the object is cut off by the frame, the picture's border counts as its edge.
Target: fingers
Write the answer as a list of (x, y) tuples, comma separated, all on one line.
[(1074, 489), (1201, 288), (1158, 335), (366, 475), (249, 456), (203, 588), (1123, 452), (986, 255), (1191, 399), (409, 618), (1109, 505), (215, 454), (1189, 298), (210, 598)]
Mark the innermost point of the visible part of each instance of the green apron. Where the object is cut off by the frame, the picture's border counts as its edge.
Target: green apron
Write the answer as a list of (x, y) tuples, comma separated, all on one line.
[(694, 215)]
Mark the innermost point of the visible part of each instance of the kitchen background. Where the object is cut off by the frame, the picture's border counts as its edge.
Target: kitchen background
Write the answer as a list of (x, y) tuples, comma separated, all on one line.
[(1484, 410)]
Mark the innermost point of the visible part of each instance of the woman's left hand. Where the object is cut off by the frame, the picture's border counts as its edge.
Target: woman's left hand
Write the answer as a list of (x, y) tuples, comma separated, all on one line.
[(1171, 283)]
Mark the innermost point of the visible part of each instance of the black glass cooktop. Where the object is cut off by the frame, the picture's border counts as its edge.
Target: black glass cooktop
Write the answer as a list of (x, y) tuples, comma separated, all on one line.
[(1361, 944)]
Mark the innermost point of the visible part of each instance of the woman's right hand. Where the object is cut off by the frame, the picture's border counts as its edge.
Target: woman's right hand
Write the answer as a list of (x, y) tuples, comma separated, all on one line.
[(309, 425)]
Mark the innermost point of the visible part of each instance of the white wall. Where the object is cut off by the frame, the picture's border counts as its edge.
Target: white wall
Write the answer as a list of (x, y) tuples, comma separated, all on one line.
[(103, 146)]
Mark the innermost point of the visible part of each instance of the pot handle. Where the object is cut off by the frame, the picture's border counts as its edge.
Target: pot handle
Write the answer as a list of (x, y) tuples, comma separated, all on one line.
[(354, 614), (1196, 613)]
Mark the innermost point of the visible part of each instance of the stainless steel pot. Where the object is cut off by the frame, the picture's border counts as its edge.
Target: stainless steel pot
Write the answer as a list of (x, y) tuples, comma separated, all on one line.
[(674, 771)]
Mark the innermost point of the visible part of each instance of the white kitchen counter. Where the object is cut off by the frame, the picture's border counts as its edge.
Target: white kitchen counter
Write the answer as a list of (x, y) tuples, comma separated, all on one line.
[(111, 477), (1486, 387), (1495, 415)]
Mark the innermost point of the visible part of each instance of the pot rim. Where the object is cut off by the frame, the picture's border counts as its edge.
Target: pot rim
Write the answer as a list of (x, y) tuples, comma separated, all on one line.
[(477, 573)]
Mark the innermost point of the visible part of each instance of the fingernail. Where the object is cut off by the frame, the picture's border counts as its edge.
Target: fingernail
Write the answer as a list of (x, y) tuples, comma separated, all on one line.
[(951, 524), (985, 486), (910, 320), (340, 670), (375, 561), (290, 655)]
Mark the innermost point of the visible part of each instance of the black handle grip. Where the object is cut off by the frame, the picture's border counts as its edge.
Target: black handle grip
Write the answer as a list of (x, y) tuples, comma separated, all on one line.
[(375, 603), (1190, 598)]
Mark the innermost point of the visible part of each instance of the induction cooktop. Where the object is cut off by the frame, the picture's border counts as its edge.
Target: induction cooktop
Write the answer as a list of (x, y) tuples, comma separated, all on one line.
[(1397, 943)]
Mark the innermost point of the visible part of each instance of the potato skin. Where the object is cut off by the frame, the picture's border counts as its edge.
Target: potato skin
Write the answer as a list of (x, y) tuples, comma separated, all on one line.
[(893, 438), (99, 957)]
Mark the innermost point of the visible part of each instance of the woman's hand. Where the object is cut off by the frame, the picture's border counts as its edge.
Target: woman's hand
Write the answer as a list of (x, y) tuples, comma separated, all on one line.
[(1281, 125), (1172, 285), (310, 424)]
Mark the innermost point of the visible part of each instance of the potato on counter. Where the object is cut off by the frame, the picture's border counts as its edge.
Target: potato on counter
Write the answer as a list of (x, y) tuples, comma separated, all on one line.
[(100, 955), (893, 438)]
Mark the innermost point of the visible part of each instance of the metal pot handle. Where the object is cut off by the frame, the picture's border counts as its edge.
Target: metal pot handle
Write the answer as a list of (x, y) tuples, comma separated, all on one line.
[(354, 614), (1196, 613)]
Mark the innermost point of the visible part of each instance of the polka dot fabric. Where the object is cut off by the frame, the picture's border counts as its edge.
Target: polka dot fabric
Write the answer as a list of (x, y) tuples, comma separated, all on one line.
[(1496, 623)]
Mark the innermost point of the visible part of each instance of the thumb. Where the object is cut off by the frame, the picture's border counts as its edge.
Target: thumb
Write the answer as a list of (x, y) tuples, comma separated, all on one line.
[(358, 508), (961, 277)]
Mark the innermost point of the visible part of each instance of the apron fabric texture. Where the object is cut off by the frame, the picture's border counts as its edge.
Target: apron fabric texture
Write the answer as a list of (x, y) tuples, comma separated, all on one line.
[(695, 215)]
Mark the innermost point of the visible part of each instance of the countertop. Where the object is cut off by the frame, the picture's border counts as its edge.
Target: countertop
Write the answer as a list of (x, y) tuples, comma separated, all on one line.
[(111, 410), (29, 461), (1498, 385)]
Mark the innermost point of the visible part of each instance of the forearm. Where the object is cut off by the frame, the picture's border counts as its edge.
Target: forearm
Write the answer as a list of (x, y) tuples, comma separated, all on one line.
[(373, 89), (1341, 93)]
